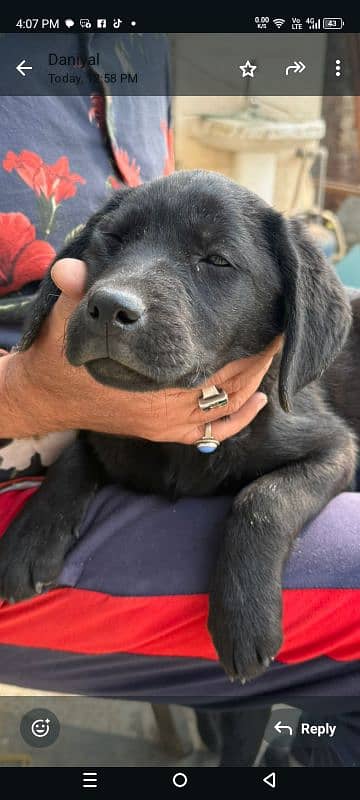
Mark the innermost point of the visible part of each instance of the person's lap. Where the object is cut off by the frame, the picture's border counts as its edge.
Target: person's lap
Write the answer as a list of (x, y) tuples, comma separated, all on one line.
[(130, 618)]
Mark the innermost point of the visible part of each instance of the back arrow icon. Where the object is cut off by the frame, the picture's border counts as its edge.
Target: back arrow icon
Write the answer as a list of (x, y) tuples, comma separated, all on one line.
[(270, 780), (297, 67), (20, 67)]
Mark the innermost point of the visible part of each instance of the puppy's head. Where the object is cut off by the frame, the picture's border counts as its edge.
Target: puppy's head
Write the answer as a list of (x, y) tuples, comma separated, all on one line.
[(191, 271), (181, 280)]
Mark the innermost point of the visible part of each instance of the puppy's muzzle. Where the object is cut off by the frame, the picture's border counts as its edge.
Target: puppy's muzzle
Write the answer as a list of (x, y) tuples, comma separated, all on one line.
[(110, 307)]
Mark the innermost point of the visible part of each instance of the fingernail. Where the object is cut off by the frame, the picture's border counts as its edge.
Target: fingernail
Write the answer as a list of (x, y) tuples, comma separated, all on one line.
[(263, 399)]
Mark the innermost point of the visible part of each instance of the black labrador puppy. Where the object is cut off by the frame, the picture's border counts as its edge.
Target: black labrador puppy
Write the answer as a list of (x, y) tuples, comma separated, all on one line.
[(186, 274)]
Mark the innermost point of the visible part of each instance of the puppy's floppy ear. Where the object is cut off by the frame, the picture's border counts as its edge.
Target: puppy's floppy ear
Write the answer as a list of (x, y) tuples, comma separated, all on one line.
[(49, 292), (317, 313)]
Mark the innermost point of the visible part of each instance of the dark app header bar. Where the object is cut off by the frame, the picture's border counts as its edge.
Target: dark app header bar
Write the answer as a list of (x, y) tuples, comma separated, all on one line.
[(202, 64)]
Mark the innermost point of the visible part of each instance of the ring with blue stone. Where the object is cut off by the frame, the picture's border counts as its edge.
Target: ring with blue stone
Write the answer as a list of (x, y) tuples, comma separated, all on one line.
[(207, 444)]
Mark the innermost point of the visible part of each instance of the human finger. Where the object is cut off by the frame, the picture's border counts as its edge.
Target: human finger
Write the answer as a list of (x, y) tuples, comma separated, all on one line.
[(231, 425)]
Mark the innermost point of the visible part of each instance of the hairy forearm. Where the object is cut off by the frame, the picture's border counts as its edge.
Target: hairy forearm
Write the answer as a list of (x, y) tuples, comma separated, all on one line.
[(26, 410), (41, 393), (40, 396)]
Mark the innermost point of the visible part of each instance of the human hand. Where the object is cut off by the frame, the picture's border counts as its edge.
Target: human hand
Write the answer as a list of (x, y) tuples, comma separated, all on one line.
[(53, 395)]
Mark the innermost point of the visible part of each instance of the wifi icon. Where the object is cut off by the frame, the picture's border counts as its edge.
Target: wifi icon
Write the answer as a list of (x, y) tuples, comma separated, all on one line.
[(279, 22)]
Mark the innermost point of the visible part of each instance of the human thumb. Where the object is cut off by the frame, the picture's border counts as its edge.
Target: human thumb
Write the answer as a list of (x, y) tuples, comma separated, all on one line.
[(69, 275)]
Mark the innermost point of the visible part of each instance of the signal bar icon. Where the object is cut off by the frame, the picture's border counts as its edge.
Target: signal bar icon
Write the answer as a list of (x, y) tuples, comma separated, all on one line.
[(313, 24)]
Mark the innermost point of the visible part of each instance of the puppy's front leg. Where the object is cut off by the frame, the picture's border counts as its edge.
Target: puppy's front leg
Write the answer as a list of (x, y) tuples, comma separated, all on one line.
[(33, 549), (245, 595)]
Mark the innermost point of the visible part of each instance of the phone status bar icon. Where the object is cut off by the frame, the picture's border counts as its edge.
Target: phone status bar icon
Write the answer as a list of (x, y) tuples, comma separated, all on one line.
[(118, 22), (101, 24), (313, 24), (333, 23)]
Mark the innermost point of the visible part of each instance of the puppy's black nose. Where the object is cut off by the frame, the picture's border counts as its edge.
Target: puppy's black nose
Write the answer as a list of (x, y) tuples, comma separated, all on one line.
[(111, 306)]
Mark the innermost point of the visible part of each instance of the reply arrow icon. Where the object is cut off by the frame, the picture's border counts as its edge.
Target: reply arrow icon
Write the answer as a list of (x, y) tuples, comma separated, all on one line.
[(297, 68), (279, 727), (21, 67)]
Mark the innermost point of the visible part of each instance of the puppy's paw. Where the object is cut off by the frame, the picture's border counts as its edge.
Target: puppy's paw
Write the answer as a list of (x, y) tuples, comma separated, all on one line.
[(31, 556), (246, 629)]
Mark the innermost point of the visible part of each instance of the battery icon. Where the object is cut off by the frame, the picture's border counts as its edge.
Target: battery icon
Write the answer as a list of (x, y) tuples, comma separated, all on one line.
[(333, 23)]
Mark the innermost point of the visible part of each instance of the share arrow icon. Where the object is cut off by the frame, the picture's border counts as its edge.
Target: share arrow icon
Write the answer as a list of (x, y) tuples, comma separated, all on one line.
[(21, 67), (297, 68), (270, 780)]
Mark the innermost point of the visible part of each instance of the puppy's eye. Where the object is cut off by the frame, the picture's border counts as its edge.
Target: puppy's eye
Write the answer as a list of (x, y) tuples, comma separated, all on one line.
[(112, 237), (217, 261)]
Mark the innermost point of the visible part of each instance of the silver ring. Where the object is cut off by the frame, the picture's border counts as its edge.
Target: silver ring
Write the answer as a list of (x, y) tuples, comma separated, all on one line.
[(207, 444), (212, 397)]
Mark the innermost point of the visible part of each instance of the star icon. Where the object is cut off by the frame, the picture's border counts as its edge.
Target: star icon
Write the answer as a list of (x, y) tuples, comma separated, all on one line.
[(248, 69)]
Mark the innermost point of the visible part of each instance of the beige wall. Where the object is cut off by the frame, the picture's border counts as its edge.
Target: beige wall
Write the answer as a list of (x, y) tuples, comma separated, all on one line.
[(192, 153)]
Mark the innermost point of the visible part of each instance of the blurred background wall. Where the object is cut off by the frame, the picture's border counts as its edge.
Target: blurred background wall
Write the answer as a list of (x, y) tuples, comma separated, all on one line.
[(266, 143)]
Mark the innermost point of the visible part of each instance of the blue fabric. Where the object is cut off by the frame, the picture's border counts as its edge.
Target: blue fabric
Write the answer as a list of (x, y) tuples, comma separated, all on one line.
[(103, 560)]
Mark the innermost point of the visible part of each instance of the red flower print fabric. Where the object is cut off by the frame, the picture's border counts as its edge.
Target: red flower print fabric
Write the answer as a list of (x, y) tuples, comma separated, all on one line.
[(129, 170), (61, 157), (23, 258), (52, 181)]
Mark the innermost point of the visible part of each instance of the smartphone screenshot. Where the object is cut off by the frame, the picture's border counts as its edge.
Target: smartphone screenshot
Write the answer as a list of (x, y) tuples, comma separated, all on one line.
[(180, 398)]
